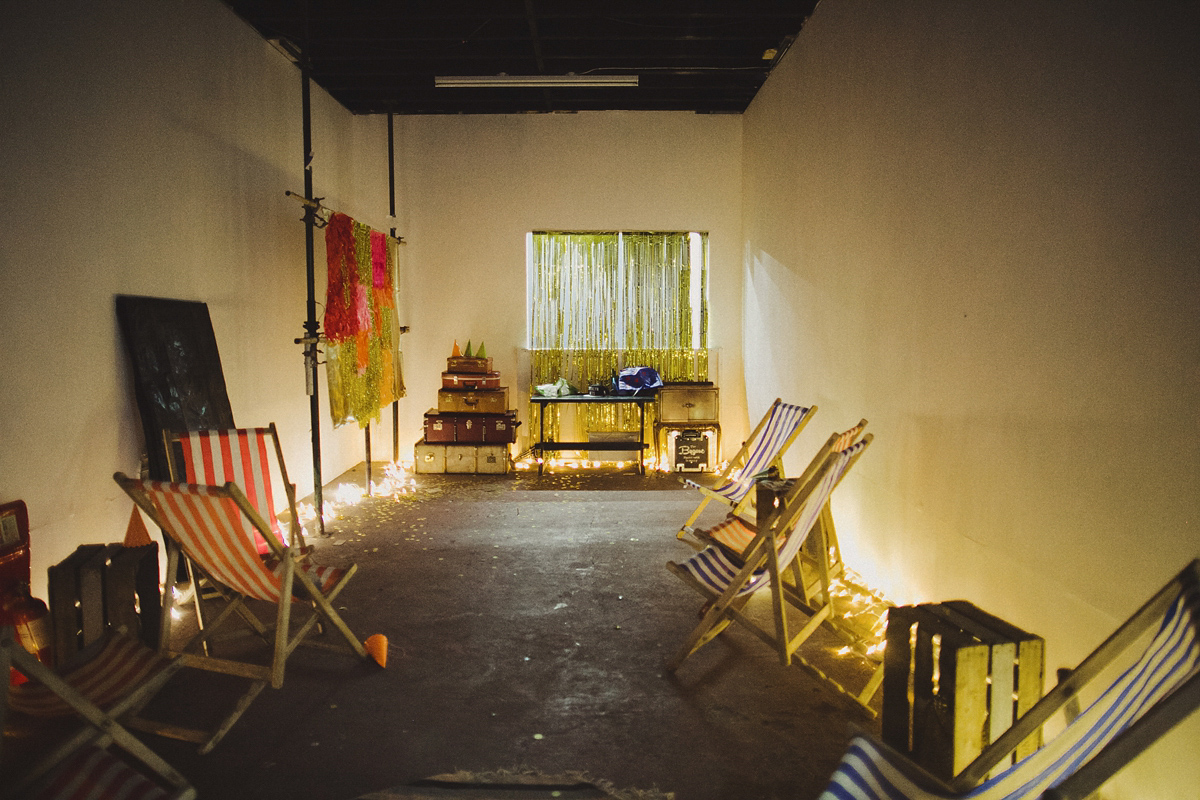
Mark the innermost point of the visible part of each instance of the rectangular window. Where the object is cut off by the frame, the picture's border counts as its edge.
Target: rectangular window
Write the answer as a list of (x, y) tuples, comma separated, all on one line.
[(602, 300)]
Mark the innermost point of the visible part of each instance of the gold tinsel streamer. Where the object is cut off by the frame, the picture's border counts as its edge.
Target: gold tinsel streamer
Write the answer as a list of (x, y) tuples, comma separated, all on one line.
[(609, 300)]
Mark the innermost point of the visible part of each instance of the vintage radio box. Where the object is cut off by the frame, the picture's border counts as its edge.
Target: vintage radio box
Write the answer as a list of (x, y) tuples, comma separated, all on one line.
[(690, 450), (481, 401), (470, 380), (469, 364)]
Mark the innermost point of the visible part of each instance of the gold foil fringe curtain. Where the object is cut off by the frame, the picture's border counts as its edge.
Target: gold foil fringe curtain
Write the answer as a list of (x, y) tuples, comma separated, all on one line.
[(361, 344), (603, 301)]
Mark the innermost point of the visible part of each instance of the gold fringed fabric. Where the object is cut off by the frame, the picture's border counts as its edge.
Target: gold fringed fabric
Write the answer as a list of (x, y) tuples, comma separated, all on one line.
[(361, 346), (602, 301)]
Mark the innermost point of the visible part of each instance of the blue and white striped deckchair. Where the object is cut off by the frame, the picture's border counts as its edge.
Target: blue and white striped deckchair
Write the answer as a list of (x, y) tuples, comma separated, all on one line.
[(728, 582), (764, 449), (1145, 701), (736, 533)]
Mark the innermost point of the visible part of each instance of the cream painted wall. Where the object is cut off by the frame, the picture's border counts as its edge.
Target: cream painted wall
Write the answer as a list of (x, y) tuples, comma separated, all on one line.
[(473, 186), (976, 224), (135, 159)]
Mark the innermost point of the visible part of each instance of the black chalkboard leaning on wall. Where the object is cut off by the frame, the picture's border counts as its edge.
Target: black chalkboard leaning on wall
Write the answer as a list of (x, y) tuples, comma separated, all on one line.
[(177, 377)]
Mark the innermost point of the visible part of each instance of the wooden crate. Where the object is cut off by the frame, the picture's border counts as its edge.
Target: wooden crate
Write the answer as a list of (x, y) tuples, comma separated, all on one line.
[(955, 678), (102, 586)]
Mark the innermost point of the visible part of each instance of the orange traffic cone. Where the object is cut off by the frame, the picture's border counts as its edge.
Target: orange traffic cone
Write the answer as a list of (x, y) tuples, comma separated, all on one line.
[(377, 645), (136, 534)]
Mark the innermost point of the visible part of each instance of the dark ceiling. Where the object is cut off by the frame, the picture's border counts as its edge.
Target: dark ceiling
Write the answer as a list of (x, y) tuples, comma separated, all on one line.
[(380, 56)]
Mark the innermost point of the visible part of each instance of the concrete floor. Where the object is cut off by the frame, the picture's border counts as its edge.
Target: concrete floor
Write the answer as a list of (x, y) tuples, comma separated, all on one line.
[(529, 619)]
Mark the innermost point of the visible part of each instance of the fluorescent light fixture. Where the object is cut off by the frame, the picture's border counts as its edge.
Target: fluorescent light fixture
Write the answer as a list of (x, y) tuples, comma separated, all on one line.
[(532, 81)]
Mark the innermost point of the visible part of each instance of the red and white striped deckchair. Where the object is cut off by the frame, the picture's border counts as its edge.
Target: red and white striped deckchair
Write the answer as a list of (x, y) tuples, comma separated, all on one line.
[(764, 449), (1160, 688), (241, 456), (111, 681), (212, 527), (789, 513)]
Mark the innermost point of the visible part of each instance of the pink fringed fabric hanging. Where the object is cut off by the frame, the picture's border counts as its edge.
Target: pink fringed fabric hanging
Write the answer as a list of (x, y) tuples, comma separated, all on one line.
[(360, 331)]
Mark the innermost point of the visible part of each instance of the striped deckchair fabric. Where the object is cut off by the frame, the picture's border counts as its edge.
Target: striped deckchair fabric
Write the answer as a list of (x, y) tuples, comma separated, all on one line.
[(121, 663), (241, 456), (214, 532), (735, 533), (761, 451), (1147, 699), (716, 569), (110, 683), (211, 525), (95, 774)]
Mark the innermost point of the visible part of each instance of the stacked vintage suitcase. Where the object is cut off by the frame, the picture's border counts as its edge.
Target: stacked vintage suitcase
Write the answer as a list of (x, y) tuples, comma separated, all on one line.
[(472, 427)]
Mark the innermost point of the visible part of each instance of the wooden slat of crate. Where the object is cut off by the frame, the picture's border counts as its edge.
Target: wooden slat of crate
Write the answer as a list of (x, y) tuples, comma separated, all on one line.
[(133, 573), (949, 695), (1029, 663), (964, 672), (949, 681), (896, 719), (92, 598), (63, 580)]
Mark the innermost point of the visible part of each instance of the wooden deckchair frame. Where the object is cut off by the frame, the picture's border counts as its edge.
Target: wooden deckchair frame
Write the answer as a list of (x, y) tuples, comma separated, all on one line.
[(738, 462), (293, 579), (1104, 655), (103, 727), (821, 553), (780, 510)]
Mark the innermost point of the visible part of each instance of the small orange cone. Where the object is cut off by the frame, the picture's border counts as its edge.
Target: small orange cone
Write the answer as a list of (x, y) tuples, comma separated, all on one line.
[(136, 534), (376, 645), (456, 352)]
